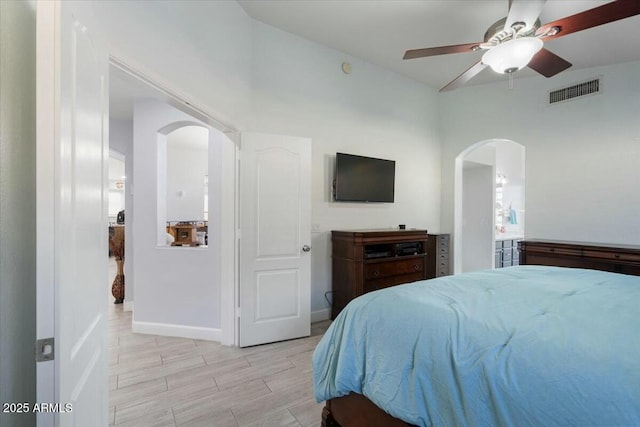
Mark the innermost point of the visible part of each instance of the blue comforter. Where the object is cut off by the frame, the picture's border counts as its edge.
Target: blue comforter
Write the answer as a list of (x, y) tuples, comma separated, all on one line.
[(519, 346)]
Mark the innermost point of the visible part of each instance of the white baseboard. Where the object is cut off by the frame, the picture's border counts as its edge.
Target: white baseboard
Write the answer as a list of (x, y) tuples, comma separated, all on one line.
[(320, 315), (181, 331), (127, 306)]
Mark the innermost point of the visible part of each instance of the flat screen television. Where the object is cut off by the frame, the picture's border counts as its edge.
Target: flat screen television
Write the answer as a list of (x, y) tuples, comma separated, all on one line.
[(364, 179)]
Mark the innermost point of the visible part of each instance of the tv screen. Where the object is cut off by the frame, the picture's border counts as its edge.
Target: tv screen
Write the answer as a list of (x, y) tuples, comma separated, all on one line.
[(364, 179)]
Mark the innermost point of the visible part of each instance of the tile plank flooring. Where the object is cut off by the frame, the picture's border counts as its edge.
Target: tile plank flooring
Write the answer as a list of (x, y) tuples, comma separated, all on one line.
[(164, 381)]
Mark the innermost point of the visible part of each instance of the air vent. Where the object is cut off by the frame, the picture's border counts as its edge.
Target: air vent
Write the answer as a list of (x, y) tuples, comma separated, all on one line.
[(581, 89)]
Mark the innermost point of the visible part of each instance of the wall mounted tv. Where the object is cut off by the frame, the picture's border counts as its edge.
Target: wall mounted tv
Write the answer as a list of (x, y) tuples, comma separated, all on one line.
[(364, 179)]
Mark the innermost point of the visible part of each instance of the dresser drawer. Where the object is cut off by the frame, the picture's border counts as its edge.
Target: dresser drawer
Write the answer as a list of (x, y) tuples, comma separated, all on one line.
[(634, 257), (389, 281), (394, 268), (577, 252)]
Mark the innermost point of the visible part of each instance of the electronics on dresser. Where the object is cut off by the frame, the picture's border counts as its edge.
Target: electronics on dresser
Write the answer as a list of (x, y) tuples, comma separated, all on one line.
[(378, 254), (363, 179), (409, 248)]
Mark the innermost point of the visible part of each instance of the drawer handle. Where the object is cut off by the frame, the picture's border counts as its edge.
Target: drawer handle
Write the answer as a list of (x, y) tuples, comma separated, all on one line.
[(617, 255), (416, 267), (376, 273)]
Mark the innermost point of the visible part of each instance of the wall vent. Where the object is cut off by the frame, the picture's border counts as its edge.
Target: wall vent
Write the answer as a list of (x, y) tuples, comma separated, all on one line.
[(581, 89)]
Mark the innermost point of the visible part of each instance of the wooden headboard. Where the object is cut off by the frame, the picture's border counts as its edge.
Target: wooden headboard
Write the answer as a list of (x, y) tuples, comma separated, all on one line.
[(623, 259)]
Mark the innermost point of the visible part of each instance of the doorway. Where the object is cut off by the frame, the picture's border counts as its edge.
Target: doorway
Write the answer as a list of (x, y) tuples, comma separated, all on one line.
[(130, 89), (489, 204)]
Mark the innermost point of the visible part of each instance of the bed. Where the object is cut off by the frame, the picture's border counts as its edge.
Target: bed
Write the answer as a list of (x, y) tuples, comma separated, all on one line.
[(526, 345)]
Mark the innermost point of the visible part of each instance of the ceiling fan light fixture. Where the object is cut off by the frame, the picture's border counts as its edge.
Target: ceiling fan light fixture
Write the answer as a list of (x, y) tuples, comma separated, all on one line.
[(513, 55)]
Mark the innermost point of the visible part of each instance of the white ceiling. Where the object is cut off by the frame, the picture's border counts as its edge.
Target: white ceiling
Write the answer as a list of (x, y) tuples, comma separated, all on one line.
[(380, 31), (124, 90)]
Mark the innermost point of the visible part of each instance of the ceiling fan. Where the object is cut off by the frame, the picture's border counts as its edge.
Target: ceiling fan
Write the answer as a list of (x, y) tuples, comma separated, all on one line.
[(516, 41)]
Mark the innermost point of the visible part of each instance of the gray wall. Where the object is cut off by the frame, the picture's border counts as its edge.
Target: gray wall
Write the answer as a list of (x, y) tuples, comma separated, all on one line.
[(17, 208)]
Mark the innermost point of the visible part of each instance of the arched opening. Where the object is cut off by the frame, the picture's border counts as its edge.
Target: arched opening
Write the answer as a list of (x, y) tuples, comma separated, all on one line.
[(183, 185), (489, 204)]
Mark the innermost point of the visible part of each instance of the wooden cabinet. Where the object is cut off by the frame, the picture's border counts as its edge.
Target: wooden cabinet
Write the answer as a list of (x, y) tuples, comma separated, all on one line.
[(367, 260), (438, 249), (615, 258), (185, 234)]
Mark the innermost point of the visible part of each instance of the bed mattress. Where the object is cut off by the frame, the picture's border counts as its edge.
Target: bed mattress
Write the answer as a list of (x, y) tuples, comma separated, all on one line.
[(527, 345)]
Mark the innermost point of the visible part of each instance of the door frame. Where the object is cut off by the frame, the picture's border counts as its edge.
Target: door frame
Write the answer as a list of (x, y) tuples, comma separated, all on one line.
[(46, 30), (229, 289)]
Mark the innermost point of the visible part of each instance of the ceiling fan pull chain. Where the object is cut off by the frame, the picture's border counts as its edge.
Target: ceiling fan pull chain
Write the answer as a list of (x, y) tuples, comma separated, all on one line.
[(510, 80)]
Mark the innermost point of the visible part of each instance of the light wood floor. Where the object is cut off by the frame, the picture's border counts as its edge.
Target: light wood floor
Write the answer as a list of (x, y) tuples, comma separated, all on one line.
[(164, 381)]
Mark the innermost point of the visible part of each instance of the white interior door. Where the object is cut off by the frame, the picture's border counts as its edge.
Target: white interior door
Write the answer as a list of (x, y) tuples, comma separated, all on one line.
[(72, 285), (275, 226)]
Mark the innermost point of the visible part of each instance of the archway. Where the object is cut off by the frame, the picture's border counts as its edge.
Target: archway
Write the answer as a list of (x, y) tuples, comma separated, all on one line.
[(182, 178), (477, 212)]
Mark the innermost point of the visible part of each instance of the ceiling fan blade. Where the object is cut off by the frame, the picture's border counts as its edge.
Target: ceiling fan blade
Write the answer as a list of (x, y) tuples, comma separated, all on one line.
[(440, 50), (548, 63), (604, 14), (464, 77), (526, 11)]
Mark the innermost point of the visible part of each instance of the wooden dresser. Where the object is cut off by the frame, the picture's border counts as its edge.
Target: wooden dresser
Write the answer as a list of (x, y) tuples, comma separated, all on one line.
[(598, 256), (367, 260)]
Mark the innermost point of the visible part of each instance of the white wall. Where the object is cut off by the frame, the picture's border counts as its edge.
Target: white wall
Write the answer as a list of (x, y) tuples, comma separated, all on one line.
[(477, 216), (186, 167), (202, 50), (510, 161), (258, 78), (177, 289), (582, 156), (203, 53), (300, 89), (474, 247)]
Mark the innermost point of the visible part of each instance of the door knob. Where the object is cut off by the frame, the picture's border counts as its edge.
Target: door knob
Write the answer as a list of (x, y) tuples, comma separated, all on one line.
[(306, 248)]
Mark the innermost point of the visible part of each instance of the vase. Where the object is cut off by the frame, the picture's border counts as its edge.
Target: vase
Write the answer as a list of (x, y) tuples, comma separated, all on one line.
[(117, 289)]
